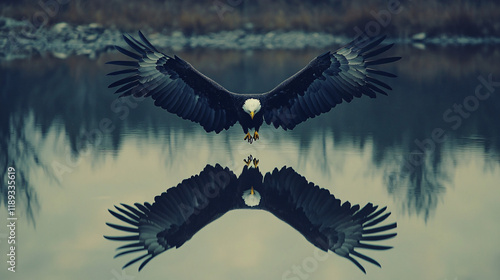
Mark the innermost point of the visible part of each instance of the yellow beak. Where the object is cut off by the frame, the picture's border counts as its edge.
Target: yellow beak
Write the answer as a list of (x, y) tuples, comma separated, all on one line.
[(252, 114), (252, 191)]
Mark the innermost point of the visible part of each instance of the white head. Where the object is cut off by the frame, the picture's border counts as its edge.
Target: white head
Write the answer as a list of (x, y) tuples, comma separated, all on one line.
[(251, 197), (251, 106)]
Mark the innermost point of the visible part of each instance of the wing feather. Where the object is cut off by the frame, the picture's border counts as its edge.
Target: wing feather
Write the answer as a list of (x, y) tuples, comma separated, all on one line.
[(174, 217), (332, 77), (322, 219), (174, 85)]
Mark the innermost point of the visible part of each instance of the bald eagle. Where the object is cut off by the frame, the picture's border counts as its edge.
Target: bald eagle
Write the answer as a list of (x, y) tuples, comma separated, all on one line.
[(179, 88), (181, 211)]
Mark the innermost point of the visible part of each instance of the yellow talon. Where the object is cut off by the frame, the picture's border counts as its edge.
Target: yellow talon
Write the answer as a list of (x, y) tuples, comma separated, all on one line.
[(249, 160), (248, 136), (255, 135), (255, 162)]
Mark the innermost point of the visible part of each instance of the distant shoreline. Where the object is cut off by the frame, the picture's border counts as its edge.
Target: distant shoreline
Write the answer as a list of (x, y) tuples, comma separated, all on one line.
[(402, 19), (20, 39)]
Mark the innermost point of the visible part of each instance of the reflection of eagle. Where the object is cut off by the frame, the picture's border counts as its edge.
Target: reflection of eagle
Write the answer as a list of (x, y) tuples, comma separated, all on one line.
[(181, 211), (326, 81)]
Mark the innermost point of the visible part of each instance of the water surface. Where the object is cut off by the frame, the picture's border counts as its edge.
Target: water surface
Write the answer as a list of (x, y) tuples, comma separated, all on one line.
[(78, 151)]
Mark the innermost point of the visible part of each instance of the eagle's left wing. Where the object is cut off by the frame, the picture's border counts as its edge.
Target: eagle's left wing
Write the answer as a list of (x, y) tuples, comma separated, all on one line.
[(326, 81)]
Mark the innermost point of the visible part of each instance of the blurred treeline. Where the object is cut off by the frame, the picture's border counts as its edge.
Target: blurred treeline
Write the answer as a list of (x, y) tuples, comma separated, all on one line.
[(398, 18)]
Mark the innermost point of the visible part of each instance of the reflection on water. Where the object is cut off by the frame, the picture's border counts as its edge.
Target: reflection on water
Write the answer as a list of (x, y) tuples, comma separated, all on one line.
[(62, 128), (183, 210)]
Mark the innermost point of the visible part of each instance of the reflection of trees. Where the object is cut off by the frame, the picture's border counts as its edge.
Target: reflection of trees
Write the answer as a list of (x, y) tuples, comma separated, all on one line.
[(71, 97), (409, 115), (418, 187), (17, 150)]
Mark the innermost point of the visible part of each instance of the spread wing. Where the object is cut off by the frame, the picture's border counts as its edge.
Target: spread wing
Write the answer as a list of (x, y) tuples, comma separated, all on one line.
[(174, 85), (326, 81), (176, 215), (322, 219)]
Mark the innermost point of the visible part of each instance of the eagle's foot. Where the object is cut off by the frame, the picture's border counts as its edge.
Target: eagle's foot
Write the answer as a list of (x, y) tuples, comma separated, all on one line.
[(248, 137), (251, 159), (255, 135), (255, 162), (248, 160), (251, 138)]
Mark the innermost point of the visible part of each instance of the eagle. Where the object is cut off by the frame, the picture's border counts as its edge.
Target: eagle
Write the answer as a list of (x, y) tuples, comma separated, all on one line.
[(179, 88), (180, 212)]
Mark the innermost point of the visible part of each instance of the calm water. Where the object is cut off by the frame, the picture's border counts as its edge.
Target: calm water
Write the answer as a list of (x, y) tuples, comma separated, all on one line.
[(430, 151)]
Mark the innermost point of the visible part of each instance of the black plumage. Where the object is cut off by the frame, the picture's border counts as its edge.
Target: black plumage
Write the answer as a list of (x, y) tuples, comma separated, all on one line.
[(326, 81), (181, 211)]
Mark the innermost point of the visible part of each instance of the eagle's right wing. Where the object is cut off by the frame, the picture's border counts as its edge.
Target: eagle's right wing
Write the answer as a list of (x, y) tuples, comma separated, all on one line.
[(175, 85), (322, 219)]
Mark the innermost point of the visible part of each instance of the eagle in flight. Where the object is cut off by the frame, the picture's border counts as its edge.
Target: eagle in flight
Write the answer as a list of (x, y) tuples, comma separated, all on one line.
[(179, 88)]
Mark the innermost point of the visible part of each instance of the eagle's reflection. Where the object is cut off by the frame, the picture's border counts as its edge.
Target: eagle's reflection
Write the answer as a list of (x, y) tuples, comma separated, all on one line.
[(181, 211)]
